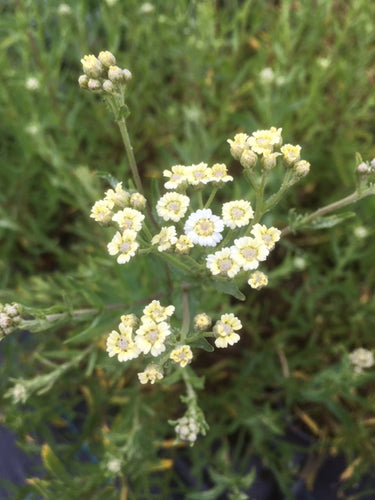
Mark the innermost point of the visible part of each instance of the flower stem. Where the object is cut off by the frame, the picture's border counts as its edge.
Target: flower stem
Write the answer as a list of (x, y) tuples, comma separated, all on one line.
[(130, 154), (332, 207), (185, 311)]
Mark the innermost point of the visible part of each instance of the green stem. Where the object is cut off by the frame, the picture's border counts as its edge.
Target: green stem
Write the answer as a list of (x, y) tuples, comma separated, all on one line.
[(259, 198), (288, 181), (332, 207), (174, 260), (185, 311), (129, 152), (211, 197), (200, 198)]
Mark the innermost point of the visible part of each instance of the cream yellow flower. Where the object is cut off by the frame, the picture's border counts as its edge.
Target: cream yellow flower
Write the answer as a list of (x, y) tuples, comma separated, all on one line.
[(264, 141), (124, 244), (118, 196), (181, 355), (361, 358), (248, 252), (92, 66), (129, 320), (165, 239), (219, 173), (102, 211), (129, 219), (137, 201), (172, 206), (238, 145), (248, 158), (121, 344), (157, 312), (301, 168), (150, 336), (267, 235), (258, 280), (178, 176), (237, 213), (183, 244), (151, 374), (202, 322), (225, 330), (223, 263), (291, 153), (198, 174)]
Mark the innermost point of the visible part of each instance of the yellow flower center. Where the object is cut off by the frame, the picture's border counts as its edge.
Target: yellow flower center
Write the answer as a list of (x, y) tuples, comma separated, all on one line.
[(204, 227)]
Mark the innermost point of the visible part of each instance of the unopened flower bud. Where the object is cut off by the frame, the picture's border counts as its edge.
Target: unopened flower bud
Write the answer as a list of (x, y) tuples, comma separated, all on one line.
[(238, 145), (248, 158), (363, 168), (301, 168), (115, 74), (83, 81), (108, 87), (137, 201), (269, 160), (202, 322), (94, 85), (107, 58), (127, 74), (92, 66)]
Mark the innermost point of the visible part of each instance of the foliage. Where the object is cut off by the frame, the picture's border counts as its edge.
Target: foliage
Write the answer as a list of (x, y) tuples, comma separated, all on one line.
[(201, 73)]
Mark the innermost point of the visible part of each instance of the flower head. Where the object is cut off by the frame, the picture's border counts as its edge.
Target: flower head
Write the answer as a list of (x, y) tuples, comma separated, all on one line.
[(121, 344), (301, 168), (237, 213), (150, 336), (178, 177), (157, 312), (267, 235), (219, 173), (172, 206), (238, 145), (258, 280), (183, 244), (198, 174), (129, 219), (124, 244), (361, 358), (181, 355), (263, 141), (151, 374), (165, 239), (203, 228), (92, 66), (137, 201), (223, 263), (291, 153), (118, 196), (225, 330), (102, 211), (248, 252), (202, 322), (129, 320)]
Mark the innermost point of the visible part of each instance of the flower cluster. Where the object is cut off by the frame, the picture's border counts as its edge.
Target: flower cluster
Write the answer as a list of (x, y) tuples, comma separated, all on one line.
[(198, 175), (265, 147), (123, 209), (192, 424), (100, 74), (10, 318), (361, 358)]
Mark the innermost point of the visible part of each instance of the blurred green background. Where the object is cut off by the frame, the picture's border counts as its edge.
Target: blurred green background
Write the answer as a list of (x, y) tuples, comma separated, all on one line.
[(202, 71)]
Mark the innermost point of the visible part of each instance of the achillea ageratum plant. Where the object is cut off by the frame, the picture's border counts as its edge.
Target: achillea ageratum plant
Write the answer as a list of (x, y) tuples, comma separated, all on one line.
[(206, 242)]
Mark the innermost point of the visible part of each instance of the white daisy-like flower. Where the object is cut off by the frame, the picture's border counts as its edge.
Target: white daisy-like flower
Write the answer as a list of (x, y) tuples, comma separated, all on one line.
[(150, 336), (151, 374), (258, 280), (225, 330), (263, 141), (183, 244), (129, 219), (172, 206), (123, 244), (198, 174), (223, 263), (121, 344), (238, 145), (237, 213), (203, 228), (219, 173), (102, 211), (117, 196), (248, 252), (165, 239), (291, 153), (157, 312), (267, 235), (182, 355), (178, 176)]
